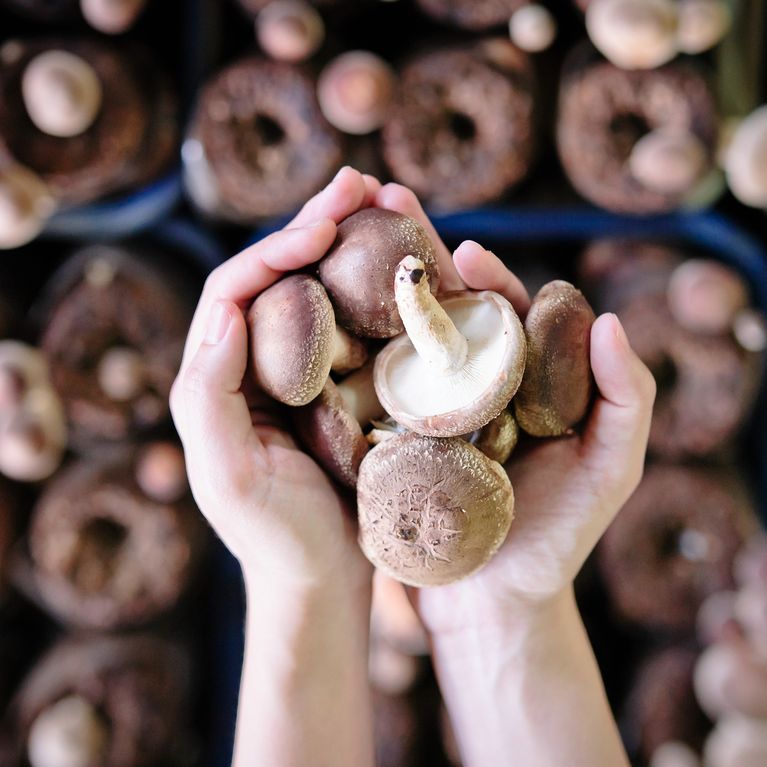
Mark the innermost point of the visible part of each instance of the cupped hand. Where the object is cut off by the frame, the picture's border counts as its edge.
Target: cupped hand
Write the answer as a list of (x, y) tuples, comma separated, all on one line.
[(567, 490), (270, 503)]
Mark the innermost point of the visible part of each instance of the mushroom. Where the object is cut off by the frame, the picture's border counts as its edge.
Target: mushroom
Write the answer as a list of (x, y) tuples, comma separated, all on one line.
[(634, 34), (68, 733), (22, 368), (737, 741), (702, 24), (674, 753), (556, 389), (113, 17), (331, 424), (25, 206), (705, 296), (121, 372), (383, 430), (459, 363), (431, 511), (498, 438), (355, 91), (750, 330), (290, 30), (358, 272), (62, 93), (294, 342), (668, 162), (161, 472), (532, 28), (745, 160)]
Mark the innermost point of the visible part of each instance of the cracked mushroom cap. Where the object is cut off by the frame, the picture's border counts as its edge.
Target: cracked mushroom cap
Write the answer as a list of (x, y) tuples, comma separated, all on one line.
[(431, 511), (557, 385), (450, 403), (358, 272), (292, 339)]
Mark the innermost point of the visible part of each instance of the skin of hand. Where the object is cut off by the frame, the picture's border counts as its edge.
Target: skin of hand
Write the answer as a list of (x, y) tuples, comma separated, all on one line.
[(512, 657)]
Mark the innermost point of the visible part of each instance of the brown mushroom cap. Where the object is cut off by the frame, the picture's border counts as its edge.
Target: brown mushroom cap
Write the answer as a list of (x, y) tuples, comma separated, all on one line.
[(484, 344), (556, 389), (358, 272), (292, 339), (498, 438), (431, 511), (332, 434), (290, 30)]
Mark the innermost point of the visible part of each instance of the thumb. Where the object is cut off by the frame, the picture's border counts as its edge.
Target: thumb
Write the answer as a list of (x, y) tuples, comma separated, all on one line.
[(210, 411), (615, 438)]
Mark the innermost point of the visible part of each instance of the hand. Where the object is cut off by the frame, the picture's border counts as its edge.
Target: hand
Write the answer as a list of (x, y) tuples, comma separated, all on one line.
[(270, 503), (567, 490)]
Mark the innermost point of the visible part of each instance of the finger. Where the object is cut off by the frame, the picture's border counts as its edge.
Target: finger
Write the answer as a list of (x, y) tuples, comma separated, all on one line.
[(481, 269), (344, 195), (211, 413), (256, 268), (400, 199), (615, 439), (372, 188)]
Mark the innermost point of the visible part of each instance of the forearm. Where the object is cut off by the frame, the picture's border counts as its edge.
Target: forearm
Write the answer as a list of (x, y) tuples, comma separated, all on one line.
[(304, 696), (528, 693)]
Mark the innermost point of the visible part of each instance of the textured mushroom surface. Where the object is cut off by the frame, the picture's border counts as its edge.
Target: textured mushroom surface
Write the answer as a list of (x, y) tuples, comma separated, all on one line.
[(556, 389), (292, 336), (448, 404), (358, 273), (431, 511)]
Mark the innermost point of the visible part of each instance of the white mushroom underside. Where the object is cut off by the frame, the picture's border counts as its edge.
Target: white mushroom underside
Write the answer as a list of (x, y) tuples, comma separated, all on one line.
[(423, 391)]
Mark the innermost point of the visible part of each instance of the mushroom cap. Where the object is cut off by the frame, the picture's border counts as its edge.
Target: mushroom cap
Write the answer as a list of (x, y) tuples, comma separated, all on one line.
[(68, 733), (431, 511), (745, 160), (161, 472), (702, 24), (737, 741), (451, 404), (669, 162), (290, 30), (332, 435), (62, 93), (358, 272), (674, 753), (25, 205), (556, 389), (113, 17), (705, 296), (532, 28), (292, 339), (355, 91), (498, 438), (634, 34)]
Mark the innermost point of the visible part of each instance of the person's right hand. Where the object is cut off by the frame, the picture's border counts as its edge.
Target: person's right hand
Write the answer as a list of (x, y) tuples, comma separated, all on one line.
[(270, 503)]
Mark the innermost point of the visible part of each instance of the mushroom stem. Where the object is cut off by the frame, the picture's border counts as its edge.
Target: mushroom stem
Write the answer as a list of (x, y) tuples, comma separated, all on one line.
[(430, 329), (350, 352), (359, 396)]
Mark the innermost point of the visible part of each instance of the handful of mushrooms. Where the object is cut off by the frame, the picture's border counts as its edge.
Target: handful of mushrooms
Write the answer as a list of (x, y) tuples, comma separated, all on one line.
[(434, 501)]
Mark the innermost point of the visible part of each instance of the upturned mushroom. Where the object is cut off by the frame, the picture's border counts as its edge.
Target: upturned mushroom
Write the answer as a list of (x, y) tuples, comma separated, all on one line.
[(557, 385), (460, 362), (294, 341), (358, 272), (355, 92), (62, 93), (330, 426), (431, 511), (634, 34), (290, 30)]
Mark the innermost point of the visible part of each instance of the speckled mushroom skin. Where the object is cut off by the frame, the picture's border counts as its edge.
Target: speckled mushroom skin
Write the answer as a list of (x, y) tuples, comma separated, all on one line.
[(332, 436), (140, 683), (498, 438), (292, 330), (557, 385), (431, 511), (105, 556), (649, 577), (497, 393), (359, 270), (472, 14)]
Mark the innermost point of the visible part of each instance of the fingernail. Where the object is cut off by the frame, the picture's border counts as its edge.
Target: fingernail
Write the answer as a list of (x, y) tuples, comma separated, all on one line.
[(620, 333), (316, 224), (218, 323)]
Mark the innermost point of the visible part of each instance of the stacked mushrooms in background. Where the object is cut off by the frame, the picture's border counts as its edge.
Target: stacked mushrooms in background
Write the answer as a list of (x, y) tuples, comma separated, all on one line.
[(669, 561), (99, 530)]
